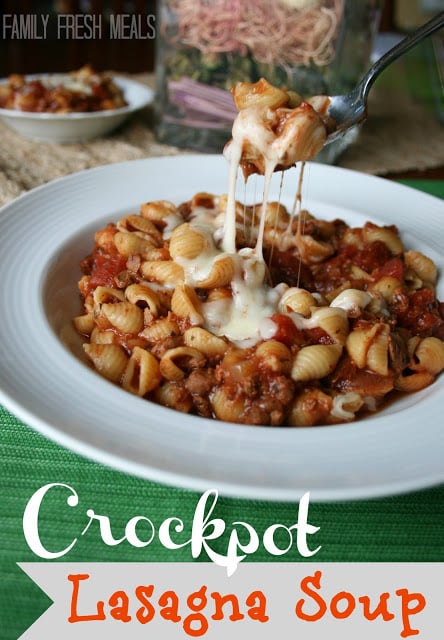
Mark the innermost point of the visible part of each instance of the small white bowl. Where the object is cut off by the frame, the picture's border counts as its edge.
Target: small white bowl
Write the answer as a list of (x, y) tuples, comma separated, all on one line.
[(69, 128)]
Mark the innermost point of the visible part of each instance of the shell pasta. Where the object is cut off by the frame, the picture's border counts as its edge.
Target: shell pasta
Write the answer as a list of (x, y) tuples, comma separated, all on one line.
[(320, 328)]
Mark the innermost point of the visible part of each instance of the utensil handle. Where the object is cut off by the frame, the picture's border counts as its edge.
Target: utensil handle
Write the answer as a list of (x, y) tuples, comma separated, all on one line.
[(402, 47)]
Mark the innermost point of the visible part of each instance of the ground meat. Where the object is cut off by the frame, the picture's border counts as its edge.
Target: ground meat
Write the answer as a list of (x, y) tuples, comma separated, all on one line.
[(201, 381), (203, 407), (162, 346), (282, 389)]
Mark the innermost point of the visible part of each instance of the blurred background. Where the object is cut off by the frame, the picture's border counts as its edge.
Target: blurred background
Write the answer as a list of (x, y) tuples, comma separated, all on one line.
[(135, 55), (407, 104)]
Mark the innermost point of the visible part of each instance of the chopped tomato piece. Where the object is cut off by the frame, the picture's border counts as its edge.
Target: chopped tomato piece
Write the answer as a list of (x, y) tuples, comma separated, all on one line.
[(286, 330), (105, 268)]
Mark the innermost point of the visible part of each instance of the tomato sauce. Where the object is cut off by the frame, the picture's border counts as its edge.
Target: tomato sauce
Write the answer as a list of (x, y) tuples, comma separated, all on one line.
[(286, 330), (422, 314), (105, 266)]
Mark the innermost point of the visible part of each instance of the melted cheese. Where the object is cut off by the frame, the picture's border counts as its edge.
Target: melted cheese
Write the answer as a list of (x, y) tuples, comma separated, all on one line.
[(241, 318), (68, 82), (198, 269), (352, 300), (244, 317)]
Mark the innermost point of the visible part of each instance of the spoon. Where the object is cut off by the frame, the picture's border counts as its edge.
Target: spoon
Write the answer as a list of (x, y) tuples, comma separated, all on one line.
[(349, 110)]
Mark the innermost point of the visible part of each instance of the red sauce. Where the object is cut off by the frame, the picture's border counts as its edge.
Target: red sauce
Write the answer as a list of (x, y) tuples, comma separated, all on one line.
[(105, 267), (286, 330), (393, 268), (285, 266), (372, 256), (316, 335), (422, 315)]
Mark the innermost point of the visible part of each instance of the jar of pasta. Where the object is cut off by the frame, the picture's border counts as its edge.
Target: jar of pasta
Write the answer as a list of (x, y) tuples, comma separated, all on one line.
[(204, 47)]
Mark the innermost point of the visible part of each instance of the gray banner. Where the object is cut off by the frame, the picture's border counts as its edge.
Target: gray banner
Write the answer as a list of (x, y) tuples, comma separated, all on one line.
[(172, 601)]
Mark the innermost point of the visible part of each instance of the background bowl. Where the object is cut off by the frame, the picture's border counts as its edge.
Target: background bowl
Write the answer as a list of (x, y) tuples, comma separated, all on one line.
[(68, 128)]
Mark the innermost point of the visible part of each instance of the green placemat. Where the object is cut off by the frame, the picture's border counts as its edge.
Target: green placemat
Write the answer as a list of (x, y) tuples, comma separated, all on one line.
[(406, 528)]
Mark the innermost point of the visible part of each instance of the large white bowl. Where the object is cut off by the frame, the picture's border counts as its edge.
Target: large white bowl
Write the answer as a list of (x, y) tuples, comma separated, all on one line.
[(43, 236), (69, 128)]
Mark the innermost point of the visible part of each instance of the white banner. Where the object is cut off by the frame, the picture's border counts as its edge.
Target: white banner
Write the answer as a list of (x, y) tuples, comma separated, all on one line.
[(171, 601)]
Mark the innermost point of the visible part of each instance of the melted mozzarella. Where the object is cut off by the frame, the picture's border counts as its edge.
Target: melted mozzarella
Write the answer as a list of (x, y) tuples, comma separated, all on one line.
[(351, 300), (198, 269), (171, 222), (67, 82), (251, 302), (244, 317)]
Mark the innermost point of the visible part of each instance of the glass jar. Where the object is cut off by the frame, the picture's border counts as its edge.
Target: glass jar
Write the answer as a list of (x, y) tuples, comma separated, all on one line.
[(204, 47)]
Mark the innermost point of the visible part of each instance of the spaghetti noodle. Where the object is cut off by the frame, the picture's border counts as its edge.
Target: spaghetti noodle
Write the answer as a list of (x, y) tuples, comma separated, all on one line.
[(300, 36)]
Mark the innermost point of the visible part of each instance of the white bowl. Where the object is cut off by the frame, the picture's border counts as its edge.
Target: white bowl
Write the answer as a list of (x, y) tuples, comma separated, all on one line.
[(68, 128), (46, 385)]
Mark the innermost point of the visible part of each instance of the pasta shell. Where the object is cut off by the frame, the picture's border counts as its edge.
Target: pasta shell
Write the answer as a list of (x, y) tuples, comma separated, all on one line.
[(412, 345), (186, 242), (386, 287), (429, 356), (175, 362), (109, 359), (102, 337), (143, 296), (353, 237), (297, 300), (359, 274), (221, 274), (422, 265), (261, 94), (175, 396), (219, 293), (274, 355), (84, 324), (124, 316), (374, 233), (128, 244), (412, 280), (160, 329), (276, 215), (142, 227), (105, 237), (102, 295), (227, 408), (334, 322), (203, 199), (313, 251), (302, 135), (315, 362), (142, 373), (414, 382), (205, 342), (309, 408), (158, 210), (346, 405), (157, 254), (275, 237), (377, 355), (185, 303), (164, 271), (358, 343)]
